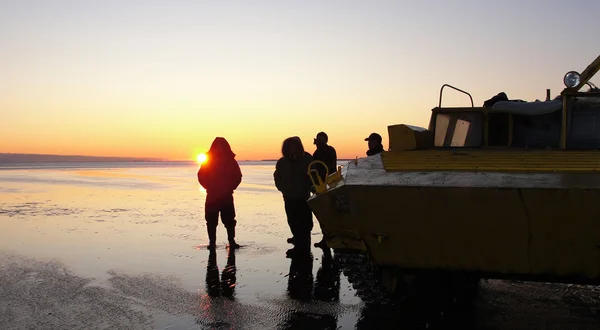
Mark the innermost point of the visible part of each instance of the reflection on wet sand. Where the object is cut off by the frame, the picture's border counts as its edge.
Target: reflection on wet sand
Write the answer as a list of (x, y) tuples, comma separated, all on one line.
[(423, 312), (432, 308), (215, 311), (117, 252), (226, 286), (300, 278), (38, 294), (46, 295), (300, 287), (308, 320), (327, 286)]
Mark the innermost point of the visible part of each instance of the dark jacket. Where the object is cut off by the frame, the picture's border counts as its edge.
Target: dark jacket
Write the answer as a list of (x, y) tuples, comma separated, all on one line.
[(221, 174), (327, 155), (375, 150), (291, 177)]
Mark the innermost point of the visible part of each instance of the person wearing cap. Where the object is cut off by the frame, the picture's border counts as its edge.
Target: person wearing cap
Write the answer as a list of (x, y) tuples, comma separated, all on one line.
[(327, 155), (375, 145)]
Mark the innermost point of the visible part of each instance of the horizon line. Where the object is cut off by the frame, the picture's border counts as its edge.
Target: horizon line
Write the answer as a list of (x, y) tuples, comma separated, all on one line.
[(84, 158)]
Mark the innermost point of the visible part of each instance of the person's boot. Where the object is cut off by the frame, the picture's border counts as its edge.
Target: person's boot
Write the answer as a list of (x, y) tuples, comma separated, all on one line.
[(231, 238), (212, 237), (322, 244)]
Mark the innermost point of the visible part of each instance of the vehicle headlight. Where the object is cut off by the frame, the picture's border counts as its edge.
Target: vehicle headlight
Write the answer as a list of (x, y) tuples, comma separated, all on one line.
[(572, 79)]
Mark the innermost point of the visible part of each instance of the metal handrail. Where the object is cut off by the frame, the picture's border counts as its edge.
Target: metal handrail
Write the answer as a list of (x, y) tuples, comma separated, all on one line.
[(460, 90)]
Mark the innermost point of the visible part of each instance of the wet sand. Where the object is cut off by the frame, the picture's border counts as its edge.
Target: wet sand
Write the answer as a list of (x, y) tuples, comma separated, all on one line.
[(124, 249)]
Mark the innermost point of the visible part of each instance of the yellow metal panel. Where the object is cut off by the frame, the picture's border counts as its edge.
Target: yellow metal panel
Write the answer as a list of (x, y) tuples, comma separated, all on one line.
[(540, 232), (492, 160), (565, 231), (337, 240), (403, 137), (452, 228), (337, 224)]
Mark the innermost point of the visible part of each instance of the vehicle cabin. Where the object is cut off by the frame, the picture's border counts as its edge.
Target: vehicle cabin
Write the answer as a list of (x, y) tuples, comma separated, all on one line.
[(570, 121)]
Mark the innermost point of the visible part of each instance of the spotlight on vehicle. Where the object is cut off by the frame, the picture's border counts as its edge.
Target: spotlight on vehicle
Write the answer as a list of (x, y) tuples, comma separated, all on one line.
[(572, 79)]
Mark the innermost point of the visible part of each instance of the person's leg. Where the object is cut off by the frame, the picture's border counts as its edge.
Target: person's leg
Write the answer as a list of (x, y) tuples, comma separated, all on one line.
[(211, 214), (304, 224), (290, 213), (228, 219), (322, 243), (212, 219)]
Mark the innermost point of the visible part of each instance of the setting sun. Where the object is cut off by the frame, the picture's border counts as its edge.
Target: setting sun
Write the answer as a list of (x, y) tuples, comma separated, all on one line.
[(201, 158)]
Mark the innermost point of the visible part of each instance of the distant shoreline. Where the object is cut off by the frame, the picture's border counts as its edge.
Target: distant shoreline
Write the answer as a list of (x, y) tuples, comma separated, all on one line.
[(10, 158), (274, 160), (43, 158)]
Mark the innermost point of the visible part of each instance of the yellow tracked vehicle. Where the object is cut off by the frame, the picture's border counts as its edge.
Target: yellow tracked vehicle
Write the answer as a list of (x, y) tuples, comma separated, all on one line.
[(509, 190)]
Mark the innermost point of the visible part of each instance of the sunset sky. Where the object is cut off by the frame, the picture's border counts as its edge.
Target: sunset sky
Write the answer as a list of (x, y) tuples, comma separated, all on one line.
[(164, 78)]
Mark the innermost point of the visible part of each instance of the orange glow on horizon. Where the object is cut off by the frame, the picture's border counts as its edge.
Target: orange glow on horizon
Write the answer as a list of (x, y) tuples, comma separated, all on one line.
[(182, 146), (247, 148)]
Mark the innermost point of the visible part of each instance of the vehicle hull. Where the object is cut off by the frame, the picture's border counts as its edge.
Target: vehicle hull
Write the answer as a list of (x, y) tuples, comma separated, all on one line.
[(500, 225)]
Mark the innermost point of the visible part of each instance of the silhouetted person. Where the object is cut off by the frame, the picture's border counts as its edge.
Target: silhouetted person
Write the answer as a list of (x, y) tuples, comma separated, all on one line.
[(327, 284), (375, 145), (292, 180), (226, 286), (220, 176), (326, 154)]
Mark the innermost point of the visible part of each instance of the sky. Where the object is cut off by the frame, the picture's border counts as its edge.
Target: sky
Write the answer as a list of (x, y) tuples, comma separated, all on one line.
[(164, 78)]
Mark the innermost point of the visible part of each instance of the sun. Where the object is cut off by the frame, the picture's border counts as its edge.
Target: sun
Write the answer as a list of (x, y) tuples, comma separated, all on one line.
[(201, 158)]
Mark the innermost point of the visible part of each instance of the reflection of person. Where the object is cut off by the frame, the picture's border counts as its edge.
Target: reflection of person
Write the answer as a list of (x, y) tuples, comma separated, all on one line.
[(213, 287), (291, 178), (300, 278), (225, 287), (375, 145), (220, 176), (300, 285), (327, 284), (228, 278)]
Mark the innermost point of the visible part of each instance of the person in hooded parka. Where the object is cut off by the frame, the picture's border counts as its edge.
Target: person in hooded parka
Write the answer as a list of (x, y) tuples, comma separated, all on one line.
[(220, 176)]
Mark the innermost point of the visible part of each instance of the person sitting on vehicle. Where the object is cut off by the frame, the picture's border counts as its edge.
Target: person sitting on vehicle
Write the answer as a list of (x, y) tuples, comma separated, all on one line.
[(326, 154), (375, 145)]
